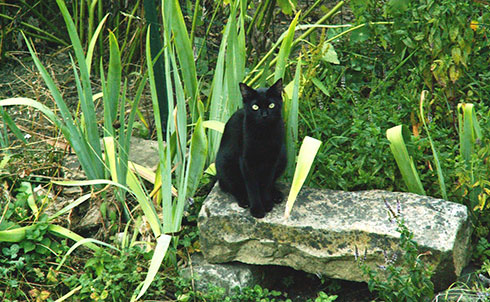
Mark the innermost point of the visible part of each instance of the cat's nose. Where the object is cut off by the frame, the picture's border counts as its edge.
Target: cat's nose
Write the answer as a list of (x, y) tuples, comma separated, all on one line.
[(263, 114)]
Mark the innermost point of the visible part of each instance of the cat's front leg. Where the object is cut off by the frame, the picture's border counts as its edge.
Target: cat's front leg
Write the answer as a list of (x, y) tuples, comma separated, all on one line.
[(253, 191), (267, 199)]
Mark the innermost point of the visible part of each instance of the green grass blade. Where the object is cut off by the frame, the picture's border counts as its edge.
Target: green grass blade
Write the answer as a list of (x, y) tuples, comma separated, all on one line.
[(197, 158), (235, 65), (159, 67), (12, 126), (469, 131), (35, 104), (122, 143), (160, 250), (164, 166), (291, 110), (111, 101), (93, 40), (180, 118), (87, 103), (215, 125), (70, 132), (92, 182), (307, 154), (219, 94), (185, 55), (68, 127), (14, 235), (72, 205), (440, 175), (396, 136), (84, 241), (176, 134), (64, 232), (285, 50), (145, 203)]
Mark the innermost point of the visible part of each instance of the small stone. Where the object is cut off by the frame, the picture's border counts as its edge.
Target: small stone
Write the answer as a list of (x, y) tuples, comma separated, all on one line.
[(326, 227), (227, 276), (144, 152)]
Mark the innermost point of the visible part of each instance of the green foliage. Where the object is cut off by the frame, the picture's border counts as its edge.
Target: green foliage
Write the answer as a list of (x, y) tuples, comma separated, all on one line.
[(408, 281), (323, 297), (440, 33), (115, 277), (246, 294), (214, 293), (25, 264), (482, 250)]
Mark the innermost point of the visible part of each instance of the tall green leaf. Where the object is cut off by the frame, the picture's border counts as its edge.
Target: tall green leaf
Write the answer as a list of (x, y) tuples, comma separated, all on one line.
[(292, 110), (112, 86), (164, 166), (86, 101), (185, 55), (160, 70), (197, 158), (285, 50), (93, 40), (397, 135), (469, 131), (440, 175), (230, 68)]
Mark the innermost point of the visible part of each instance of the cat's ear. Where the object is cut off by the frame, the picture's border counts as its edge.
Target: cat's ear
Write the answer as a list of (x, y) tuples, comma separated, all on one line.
[(247, 92), (276, 89)]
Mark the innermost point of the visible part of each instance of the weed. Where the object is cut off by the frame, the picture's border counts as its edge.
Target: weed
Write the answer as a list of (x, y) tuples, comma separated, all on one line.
[(409, 281)]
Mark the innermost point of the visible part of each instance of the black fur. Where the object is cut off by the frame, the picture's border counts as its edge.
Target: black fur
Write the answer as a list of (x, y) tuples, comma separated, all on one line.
[(252, 153)]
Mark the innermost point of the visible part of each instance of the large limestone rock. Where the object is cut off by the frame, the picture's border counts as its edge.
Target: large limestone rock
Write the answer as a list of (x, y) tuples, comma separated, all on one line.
[(326, 226)]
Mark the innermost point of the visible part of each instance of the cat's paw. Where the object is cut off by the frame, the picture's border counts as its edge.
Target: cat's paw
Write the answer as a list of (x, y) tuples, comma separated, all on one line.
[(257, 212), (268, 206), (243, 203), (277, 196)]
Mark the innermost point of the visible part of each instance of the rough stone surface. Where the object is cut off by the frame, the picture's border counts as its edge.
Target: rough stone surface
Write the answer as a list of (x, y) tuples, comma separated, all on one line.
[(143, 152), (227, 276), (326, 226)]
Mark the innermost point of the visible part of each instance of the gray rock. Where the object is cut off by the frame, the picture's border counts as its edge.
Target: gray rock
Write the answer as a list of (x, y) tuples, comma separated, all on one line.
[(227, 276), (326, 226), (143, 152)]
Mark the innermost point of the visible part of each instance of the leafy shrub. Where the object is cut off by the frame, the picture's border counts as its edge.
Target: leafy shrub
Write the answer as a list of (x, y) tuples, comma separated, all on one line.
[(408, 282), (26, 264)]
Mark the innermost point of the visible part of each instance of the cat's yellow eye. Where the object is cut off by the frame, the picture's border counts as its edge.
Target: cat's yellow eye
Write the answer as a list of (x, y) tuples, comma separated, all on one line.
[(255, 107), (272, 105)]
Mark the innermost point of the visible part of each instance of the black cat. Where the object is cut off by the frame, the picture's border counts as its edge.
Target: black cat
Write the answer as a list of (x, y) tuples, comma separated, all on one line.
[(252, 153)]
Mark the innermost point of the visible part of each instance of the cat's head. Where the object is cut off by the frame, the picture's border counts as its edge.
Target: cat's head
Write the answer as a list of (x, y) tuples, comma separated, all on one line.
[(264, 104)]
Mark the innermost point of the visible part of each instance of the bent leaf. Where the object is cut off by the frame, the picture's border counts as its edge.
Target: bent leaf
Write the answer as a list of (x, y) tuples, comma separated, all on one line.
[(215, 125), (404, 161), (160, 250), (307, 154), (87, 241)]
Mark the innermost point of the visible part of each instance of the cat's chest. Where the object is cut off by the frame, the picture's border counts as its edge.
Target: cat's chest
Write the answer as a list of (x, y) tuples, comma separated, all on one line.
[(263, 148)]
